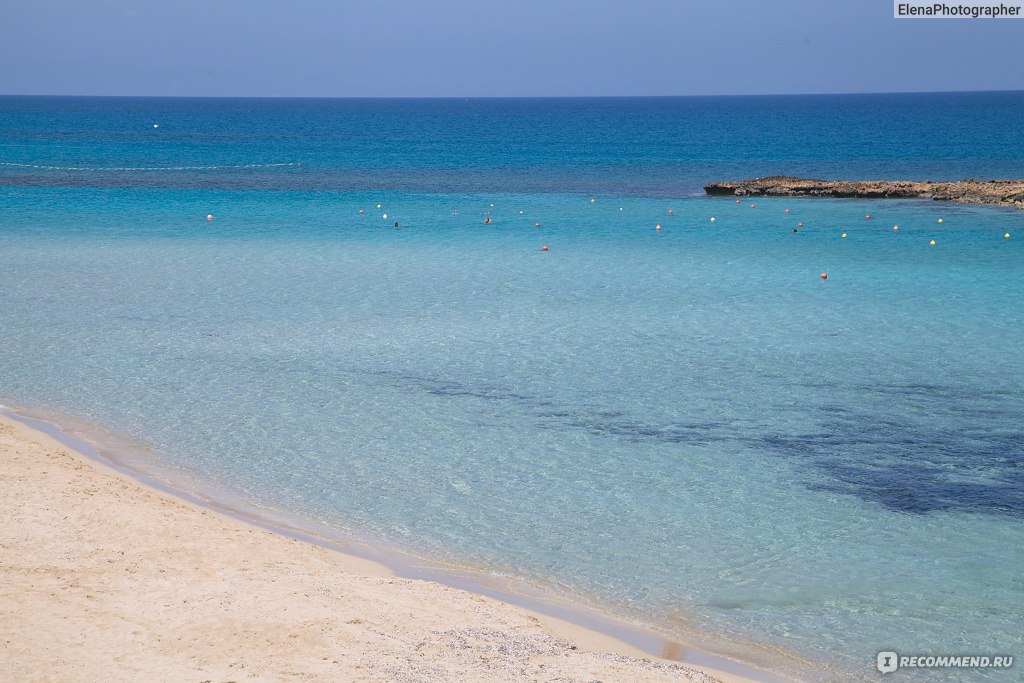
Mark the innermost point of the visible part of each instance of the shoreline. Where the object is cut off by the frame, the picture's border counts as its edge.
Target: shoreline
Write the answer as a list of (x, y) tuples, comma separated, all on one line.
[(597, 634), (1008, 193)]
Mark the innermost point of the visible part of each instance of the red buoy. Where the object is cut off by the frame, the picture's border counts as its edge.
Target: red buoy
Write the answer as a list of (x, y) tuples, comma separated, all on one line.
[(544, 248), (824, 276)]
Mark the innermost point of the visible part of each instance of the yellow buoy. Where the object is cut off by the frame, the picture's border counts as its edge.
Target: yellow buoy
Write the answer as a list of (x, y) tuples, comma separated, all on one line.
[(940, 220), (844, 235), (378, 206), (932, 243), (1006, 235)]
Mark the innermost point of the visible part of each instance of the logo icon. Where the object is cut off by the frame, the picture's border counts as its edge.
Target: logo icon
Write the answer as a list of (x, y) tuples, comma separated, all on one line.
[(888, 662)]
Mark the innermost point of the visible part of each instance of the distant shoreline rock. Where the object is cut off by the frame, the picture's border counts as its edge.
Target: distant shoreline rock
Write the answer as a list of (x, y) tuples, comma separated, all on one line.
[(998, 192)]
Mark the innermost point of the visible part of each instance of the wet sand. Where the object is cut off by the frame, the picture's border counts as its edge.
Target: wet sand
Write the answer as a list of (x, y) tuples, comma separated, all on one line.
[(107, 579)]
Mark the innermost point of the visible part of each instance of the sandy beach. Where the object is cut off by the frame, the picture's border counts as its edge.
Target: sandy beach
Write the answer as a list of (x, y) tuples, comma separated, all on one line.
[(107, 579)]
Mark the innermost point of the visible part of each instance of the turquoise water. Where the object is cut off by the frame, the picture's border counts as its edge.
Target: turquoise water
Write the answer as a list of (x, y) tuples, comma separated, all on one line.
[(686, 425)]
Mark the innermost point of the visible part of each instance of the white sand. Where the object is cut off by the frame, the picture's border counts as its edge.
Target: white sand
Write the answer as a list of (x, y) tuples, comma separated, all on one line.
[(104, 579)]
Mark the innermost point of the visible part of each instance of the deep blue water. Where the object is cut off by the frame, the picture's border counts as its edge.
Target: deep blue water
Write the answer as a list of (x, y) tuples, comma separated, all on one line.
[(651, 147), (686, 425)]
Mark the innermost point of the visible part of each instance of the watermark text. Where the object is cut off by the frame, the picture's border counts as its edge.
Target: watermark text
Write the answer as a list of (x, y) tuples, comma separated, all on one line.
[(889, 662), (958, 9)]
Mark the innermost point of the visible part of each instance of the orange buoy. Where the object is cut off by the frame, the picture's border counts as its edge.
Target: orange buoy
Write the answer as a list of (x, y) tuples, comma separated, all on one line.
[(824, 275), (787, 210), (544, 248), (487, 220), (799, 225), (361, 211), (670, 212), (867, 216), (737, 201), (657, 227), (895, 228), (753, 206), (536, 225), (209, 216)]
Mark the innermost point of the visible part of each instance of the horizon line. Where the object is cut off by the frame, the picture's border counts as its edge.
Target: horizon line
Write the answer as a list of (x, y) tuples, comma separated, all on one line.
[(514, 97)]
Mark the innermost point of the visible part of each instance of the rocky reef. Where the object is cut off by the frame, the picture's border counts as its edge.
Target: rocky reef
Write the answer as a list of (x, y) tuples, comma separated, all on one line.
[(999, 192)]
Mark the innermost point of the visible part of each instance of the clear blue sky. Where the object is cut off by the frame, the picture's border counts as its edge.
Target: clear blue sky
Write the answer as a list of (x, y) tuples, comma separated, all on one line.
[(413, 48)]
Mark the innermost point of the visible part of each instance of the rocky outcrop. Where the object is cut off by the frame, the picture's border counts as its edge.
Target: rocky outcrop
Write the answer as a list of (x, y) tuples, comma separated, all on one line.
[(1000, 192)]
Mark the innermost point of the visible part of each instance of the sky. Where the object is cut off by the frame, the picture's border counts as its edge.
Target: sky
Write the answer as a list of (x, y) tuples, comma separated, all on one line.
[(485, 48)]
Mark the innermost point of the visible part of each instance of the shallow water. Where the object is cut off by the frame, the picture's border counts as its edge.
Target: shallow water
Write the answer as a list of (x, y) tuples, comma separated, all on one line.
[(688, 425)]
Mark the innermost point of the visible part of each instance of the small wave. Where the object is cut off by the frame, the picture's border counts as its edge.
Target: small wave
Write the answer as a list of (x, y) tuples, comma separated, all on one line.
[(47, 167)]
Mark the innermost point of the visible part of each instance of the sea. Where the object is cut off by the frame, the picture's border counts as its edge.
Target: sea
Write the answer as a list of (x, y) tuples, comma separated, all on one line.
[(514, 337)]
